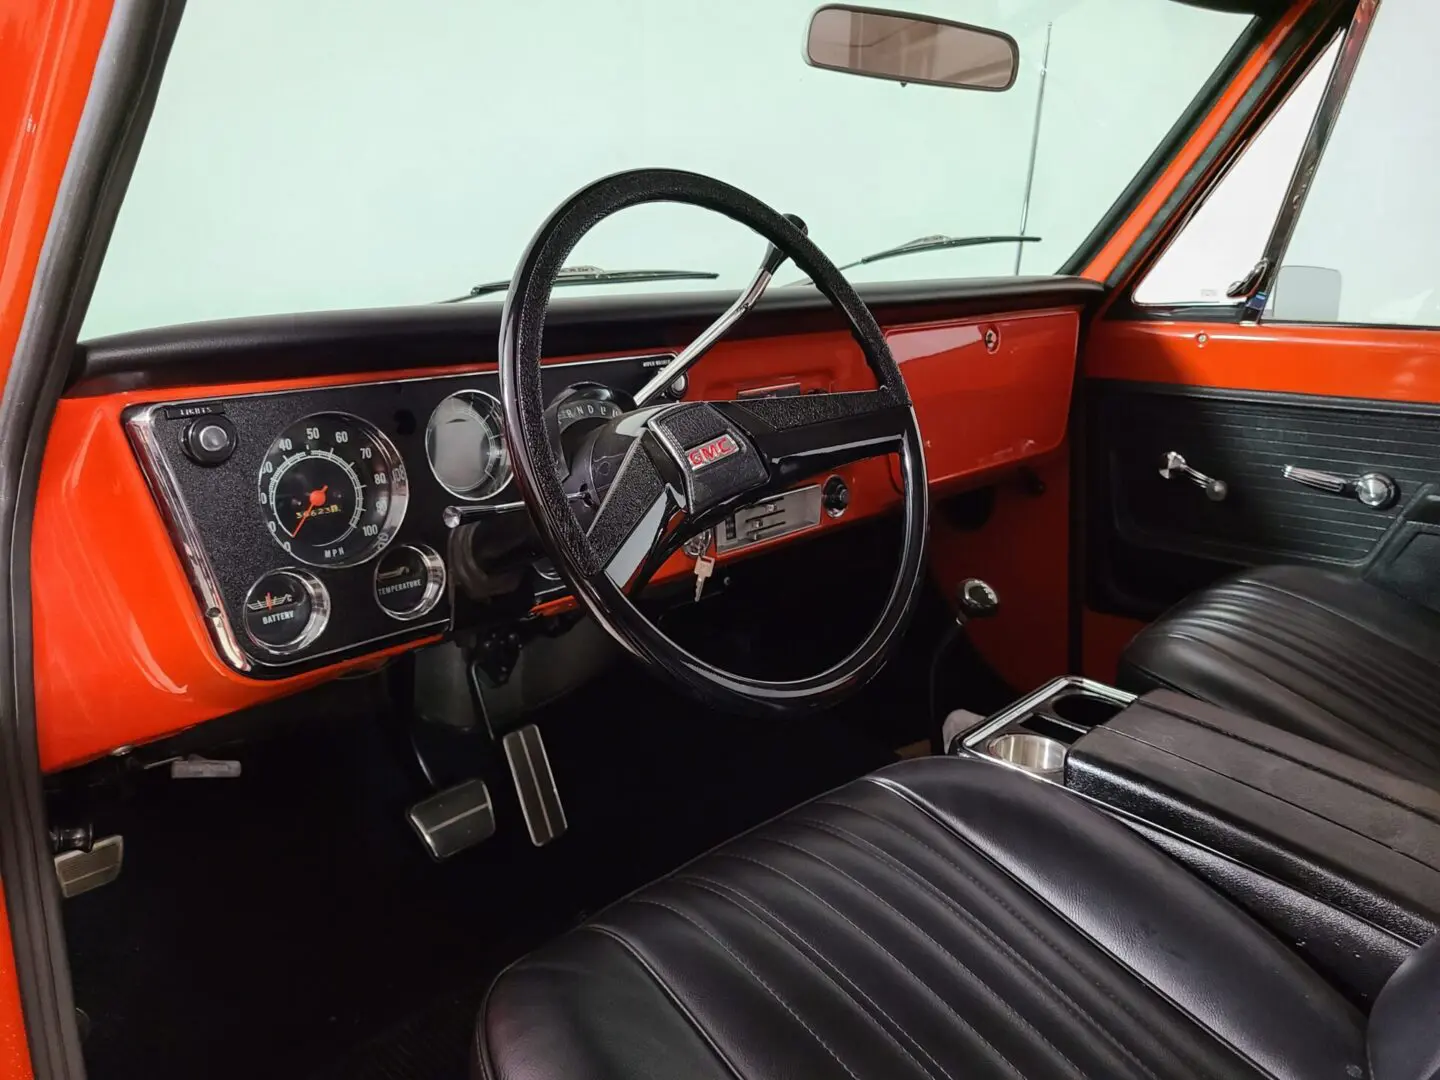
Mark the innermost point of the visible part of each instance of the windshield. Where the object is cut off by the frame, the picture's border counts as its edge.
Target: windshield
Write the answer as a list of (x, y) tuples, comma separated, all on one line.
[(329, 154)]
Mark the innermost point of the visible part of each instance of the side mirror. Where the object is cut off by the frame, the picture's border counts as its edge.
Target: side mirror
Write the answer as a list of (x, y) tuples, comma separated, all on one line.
[(911, 48), (1305, 294)]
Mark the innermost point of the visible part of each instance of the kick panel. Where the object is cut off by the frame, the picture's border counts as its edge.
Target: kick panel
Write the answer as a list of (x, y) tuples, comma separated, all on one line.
[(1157, 531)]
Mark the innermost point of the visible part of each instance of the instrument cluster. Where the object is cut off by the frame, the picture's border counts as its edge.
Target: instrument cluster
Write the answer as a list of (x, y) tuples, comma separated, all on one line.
[(319, 524)]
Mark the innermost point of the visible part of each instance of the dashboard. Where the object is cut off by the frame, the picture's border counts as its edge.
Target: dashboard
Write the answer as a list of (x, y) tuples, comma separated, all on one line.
[(229, 513)]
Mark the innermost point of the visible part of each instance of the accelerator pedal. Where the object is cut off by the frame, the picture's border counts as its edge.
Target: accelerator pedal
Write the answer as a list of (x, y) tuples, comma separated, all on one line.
[(535, 785)]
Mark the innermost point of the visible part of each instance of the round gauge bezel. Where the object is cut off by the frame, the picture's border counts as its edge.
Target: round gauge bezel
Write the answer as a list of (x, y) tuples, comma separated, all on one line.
[(497, 421), (319, 611), (398, 491), (434, 582)]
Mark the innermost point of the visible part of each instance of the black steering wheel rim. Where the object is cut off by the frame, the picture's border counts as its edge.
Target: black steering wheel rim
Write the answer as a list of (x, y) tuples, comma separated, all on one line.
[(521, 340)]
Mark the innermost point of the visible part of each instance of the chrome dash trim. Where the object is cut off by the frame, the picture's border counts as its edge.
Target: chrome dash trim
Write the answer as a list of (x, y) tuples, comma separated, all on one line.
[(184, 534)]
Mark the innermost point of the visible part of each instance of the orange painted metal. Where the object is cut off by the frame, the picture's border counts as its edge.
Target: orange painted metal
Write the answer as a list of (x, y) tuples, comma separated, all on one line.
[(983, 407), (14, 1050), (1343, 361), (1140, 217), (1023, 551), (47, 54), (48, 50), (121, 653), (123, 657)]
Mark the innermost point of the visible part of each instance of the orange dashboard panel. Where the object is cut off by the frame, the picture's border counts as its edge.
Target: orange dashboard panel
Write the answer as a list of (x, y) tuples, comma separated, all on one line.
[(988, 394), (123, 654)]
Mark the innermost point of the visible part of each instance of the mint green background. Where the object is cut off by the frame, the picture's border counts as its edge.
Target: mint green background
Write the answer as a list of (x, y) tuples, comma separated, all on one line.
[(314, 154)]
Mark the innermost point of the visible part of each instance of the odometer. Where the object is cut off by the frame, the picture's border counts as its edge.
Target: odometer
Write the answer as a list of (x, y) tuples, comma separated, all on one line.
[(334, 489)]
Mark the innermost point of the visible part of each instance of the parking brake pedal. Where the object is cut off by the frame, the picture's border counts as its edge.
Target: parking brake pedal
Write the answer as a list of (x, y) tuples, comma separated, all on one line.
[(455, 819), (90, 865), (535, 784)]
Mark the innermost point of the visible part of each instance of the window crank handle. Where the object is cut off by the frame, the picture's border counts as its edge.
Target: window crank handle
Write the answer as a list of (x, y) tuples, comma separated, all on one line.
[(1175, 465)]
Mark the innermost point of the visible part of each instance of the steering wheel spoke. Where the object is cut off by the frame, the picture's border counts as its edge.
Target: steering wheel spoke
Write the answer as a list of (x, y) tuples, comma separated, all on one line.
[(802, 435), (637, 512)]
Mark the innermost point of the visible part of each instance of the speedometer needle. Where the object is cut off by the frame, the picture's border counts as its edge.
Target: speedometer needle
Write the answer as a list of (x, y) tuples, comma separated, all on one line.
[(317, 499)]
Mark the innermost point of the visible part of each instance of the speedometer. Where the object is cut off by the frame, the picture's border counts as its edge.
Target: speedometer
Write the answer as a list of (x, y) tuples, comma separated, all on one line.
[(334, 489)]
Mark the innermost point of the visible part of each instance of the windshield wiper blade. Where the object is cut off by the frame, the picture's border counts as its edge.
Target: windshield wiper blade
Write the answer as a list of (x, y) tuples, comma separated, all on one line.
[(938, 242), (593, 275)]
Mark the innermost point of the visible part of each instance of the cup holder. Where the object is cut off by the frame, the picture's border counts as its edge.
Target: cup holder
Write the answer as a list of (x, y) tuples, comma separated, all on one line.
[(1034, 753), (1084, 710)]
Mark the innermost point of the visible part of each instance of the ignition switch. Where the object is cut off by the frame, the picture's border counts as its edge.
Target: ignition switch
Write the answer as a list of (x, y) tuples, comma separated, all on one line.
[(835, 497)]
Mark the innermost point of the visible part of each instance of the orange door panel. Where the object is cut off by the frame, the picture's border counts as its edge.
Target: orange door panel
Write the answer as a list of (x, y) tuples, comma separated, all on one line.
[(1364, 362), (48, 50)]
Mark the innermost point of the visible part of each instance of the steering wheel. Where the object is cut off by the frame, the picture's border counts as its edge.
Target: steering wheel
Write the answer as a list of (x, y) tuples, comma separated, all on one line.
[(664, 474)]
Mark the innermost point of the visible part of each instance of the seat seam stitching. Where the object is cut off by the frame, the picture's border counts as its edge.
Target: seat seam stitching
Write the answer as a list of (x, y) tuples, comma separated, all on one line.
[(1412, 687), (912, 798), (753, 974), (1411, 699), (1066, 1001), (719, 889), (665, 988), (1398, 712), (980, 982), (1365, 628), (1039, 934)]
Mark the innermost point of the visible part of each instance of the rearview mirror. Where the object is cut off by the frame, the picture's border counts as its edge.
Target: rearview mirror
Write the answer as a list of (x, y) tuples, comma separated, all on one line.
[(911, 48)]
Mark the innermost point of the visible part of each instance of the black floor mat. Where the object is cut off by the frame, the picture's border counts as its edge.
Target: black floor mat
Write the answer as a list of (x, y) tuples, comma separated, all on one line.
[(271, 925)]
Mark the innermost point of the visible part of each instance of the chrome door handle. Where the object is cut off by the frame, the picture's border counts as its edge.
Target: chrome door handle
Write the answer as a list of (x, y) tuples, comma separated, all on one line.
[(1175, 465), (1372, 489)]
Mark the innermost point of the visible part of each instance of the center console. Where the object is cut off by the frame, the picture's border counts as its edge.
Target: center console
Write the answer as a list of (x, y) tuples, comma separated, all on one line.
[(1337, 856)]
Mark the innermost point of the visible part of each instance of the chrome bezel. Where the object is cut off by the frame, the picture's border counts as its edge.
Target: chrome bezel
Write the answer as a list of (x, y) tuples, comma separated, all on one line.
[(498, 424), (314, 626), (185, 534), (398, 491), (434, 583)]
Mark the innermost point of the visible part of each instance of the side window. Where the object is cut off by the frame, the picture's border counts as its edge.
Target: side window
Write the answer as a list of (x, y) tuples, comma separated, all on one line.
[(1365, 247), (1226, 237)]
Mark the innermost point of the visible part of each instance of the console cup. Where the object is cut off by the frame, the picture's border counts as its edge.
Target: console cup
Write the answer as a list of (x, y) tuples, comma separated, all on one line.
[(1084, 710), (1034, 753)]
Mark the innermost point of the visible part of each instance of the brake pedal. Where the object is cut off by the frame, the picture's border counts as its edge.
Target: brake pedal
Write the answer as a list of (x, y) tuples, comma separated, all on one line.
[(455, 819), (535, 784)]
